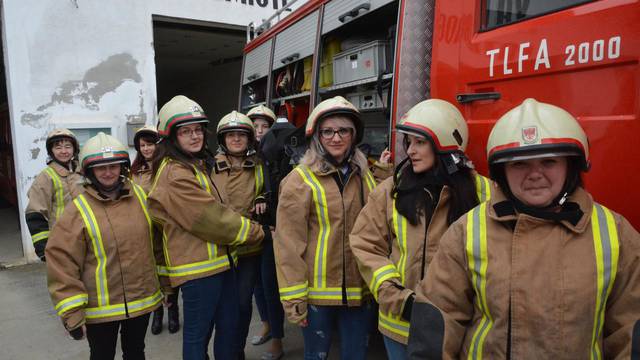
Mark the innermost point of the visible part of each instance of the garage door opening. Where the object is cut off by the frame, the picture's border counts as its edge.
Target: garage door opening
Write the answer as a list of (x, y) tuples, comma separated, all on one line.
[(10, 240), (200, 60)]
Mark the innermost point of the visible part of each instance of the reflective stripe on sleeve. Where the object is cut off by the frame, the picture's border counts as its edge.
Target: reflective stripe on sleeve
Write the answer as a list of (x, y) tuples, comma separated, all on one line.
[(42, 235), (607, 250), (93, 229), (335, 293), (324, 227), (58, 189), (294, 292), (259, 176), (71, 302), (394, 324), (381, 275), (371, 182), (400, 228), (193, 268), (476, 248)]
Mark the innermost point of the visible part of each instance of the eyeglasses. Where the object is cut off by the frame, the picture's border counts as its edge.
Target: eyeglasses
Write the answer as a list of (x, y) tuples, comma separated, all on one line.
[(184, 132), (329, 133)]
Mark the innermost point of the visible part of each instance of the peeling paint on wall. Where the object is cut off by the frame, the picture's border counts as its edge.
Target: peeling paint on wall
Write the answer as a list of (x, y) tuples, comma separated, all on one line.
[(99, 80), (34, 153)]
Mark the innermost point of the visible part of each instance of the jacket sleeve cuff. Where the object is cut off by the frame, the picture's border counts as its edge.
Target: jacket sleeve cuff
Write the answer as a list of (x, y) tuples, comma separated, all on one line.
[(407, 307), (73, 319)]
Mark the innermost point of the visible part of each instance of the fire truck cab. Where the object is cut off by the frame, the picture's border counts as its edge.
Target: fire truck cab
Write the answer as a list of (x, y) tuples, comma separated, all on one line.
[(484, 56)]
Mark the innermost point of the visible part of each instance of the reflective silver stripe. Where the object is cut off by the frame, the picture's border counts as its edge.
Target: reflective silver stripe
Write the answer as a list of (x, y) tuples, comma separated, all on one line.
[(59, 191), (120, 309), (42, 235), (323, 223), (195, 268), (98, 248), (606, 249)]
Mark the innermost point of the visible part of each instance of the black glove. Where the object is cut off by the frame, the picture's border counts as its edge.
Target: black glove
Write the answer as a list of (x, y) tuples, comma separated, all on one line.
[(77, 333), (39, 247)]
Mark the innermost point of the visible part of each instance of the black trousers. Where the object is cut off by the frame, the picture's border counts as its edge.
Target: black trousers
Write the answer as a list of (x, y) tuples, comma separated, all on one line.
[(104, 337)]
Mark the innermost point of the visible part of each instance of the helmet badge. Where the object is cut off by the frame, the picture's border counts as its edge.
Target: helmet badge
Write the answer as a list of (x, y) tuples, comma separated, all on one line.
[(107, 152), (530, 134), (195, 109)]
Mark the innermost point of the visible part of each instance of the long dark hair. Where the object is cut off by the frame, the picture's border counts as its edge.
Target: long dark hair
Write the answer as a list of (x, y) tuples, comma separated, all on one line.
[(412, 201), (140, 163)]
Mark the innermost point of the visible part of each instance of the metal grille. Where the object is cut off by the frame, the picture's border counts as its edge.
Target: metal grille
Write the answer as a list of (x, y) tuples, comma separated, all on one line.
[(414, 51), (256, 63)]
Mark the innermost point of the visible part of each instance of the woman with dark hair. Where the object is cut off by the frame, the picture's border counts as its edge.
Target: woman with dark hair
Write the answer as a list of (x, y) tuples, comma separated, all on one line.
[(198, 231), (398, 231), (145, 141), (53, 188), (541, 271), (320, 286), (100, 261)]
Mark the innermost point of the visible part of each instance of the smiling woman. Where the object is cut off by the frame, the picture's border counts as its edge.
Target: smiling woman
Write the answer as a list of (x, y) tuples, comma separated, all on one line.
[(541, 233)]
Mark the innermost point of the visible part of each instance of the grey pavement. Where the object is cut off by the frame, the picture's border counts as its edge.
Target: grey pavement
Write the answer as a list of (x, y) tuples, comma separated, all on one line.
[(31, 330)]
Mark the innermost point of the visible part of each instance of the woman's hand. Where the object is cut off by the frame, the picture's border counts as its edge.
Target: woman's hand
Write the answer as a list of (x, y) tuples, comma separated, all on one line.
[(261, 208), (385, 157)]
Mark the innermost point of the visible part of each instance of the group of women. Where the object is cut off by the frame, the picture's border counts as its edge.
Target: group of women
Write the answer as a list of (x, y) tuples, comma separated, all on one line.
[(450, 263)]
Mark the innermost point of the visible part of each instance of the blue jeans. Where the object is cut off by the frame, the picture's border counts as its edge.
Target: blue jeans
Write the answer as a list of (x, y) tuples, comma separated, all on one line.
[(247, 276), (395, 350), (207, 303), (275, 313), (353, 324)]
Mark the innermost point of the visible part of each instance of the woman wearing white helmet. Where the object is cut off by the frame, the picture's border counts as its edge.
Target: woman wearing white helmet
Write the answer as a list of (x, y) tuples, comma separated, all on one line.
[(541, 271), (53, 188), (239, 174), (100, 262), (199, 231), (398, 231), (320, 286)]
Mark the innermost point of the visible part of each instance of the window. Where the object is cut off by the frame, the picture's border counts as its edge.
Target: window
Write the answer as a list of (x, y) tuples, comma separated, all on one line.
[(504, 12)]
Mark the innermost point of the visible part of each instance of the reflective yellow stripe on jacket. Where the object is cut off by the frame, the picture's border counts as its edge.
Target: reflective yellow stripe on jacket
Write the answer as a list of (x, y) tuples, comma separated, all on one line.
[(58, 191), (259, 176), (93, 228), (607, 250), (71, 302), (42, 235), (214, 261), (104, 308), (324, 227), (483, 188), (369, 180), (120, 309)]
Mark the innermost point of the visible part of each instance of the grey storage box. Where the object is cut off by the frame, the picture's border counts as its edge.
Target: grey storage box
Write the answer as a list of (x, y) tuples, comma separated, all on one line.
[(368, 100), (362, 62)]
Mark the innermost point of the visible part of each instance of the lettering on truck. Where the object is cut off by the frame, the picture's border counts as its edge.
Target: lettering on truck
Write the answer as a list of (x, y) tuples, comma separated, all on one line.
[(525, 57)]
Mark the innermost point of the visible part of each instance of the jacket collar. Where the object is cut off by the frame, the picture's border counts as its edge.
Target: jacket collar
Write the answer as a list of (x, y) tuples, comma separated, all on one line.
[(500, 209), (223, 163), (59, 169)]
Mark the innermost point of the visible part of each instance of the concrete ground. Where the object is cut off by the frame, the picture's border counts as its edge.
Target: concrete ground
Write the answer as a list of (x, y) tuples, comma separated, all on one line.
[(30, 329)]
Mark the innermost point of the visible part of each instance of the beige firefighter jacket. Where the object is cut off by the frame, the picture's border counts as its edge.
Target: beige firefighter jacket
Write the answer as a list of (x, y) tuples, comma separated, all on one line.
[(242, 182), (198, 229), (314, 262), (50, 192), (542, 289), (100, 263), (144, 178), (393, 255), (381, 171)]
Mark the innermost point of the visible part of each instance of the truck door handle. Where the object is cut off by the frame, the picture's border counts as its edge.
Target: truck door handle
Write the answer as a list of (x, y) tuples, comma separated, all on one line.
[(290, 58), (354, 12), (252, 77), (467, 98)]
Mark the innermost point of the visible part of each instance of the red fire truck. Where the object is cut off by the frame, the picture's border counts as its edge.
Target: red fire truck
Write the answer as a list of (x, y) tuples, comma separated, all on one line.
[(484, 56)]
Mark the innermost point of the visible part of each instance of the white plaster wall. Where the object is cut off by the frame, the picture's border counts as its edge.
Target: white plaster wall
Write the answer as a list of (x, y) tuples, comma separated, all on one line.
[(87, 63)]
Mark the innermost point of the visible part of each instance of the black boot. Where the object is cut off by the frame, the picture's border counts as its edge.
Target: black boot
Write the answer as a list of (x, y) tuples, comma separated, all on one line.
[(156, 324), (174, 318)]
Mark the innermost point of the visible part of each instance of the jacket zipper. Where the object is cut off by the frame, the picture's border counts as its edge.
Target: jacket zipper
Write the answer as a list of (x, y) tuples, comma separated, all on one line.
[(426, 232), (344, 258), (124, 292)]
